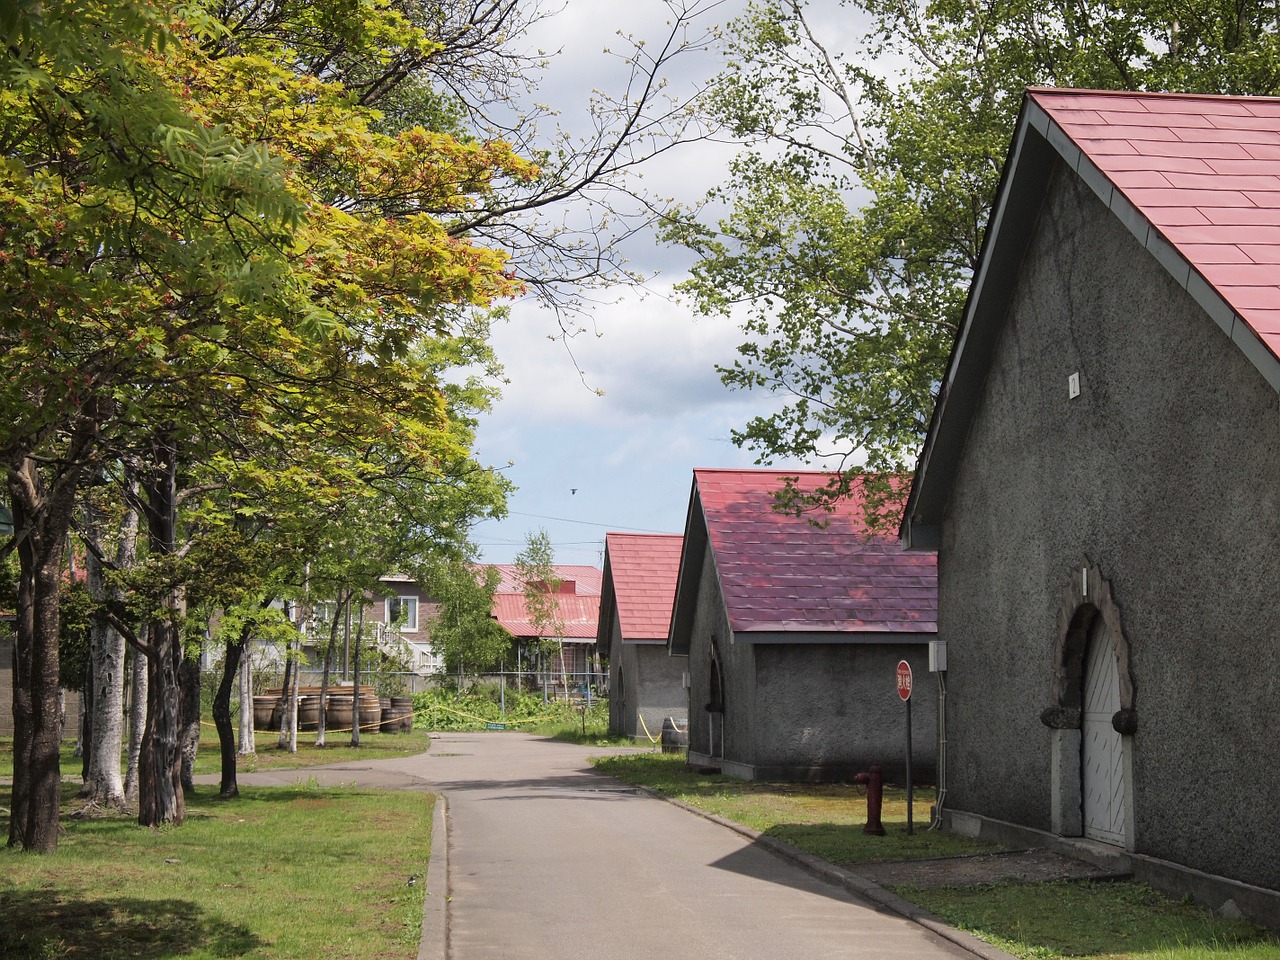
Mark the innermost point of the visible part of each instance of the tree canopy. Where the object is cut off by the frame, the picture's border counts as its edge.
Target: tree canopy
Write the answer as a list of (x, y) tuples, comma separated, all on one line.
[(847, 229)]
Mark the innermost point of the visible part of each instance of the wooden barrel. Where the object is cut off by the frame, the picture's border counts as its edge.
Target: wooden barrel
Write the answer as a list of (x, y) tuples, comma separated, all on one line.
[(675, 735), (308, 713), (384, 715), (370, 713), (337, 714), (401, 715), (263, 708)]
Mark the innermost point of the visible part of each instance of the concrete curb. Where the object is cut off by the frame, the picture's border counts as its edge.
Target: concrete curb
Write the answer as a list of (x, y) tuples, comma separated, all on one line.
[(860, 886), (434, 942)]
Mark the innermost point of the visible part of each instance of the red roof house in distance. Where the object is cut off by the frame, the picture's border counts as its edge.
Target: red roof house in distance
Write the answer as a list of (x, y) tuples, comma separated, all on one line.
[(793, 630), (646, 686), (1100, 482), (578, 609)]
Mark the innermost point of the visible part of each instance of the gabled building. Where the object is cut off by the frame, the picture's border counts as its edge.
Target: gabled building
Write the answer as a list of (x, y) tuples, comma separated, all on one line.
[(646, 686), (1100, 480), (793, 628), (577, 602)]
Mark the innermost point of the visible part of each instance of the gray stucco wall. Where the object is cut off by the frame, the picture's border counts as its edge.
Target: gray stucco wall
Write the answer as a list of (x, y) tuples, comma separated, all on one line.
[(659, 687), (1164, 472), (617, 681), (651, 688), (728, 735), (828, 711)]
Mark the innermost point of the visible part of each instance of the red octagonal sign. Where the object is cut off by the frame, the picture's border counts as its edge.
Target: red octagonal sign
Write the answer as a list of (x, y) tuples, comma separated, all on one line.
[(904, 680)]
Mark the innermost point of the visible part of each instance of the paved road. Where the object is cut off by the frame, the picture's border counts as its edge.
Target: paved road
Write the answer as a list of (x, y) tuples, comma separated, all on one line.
[(549, 860)]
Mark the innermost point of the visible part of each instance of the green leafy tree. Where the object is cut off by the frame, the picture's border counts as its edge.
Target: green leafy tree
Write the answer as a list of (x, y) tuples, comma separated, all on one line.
[(463, 630), (536, 571), (847, 230), (198, 261)]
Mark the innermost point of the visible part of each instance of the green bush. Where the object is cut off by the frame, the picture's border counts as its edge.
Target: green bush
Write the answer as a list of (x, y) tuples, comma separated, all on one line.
[(473, 709)]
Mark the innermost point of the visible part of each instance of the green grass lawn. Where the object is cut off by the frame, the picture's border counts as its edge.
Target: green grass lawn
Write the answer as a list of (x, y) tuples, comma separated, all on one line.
[(1098, 921), (298, 872)]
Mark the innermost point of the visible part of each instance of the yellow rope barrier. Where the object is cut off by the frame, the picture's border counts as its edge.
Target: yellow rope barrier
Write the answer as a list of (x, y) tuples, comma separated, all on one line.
[(652, 738)]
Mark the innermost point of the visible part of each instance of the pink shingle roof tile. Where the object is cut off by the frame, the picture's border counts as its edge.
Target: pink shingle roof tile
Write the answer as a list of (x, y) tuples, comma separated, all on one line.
[(578, 601), (781, 573), (643, 568), (1204, 171)]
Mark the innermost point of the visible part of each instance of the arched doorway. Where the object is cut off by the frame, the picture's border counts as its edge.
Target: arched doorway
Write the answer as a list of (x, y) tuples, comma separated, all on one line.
[(1092, 715), (1103, 788)]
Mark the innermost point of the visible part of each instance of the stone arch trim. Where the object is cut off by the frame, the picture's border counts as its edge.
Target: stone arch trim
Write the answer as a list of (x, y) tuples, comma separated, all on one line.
[(1087, 599)]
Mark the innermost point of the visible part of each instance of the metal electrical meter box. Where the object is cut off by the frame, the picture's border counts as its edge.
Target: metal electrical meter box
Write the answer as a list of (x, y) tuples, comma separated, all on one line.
[(937, 656)]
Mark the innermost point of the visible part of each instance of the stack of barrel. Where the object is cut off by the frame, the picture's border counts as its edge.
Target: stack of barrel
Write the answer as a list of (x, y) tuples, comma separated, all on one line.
[(377, 714)]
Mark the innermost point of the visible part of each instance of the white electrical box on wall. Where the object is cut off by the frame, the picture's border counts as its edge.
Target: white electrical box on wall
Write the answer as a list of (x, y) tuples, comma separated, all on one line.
[(684, 679), (937, 656)]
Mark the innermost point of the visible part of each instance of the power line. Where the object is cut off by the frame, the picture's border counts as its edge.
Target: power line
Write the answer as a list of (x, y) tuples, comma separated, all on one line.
[(589, 523)]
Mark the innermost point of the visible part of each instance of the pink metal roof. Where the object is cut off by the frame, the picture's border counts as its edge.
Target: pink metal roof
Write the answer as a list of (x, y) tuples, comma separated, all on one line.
[(643, 568), (578, 601), (781, 573), (1205, 171), (578, 614), (585, 580)]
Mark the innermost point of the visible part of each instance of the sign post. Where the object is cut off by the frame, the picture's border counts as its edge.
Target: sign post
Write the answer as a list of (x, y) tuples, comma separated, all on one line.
[(904, 693)]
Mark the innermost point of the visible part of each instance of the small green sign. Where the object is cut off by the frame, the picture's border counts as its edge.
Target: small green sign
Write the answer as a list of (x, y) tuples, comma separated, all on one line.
[(495, 726)]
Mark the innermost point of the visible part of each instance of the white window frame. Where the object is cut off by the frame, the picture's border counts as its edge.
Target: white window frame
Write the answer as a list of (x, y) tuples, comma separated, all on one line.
[(410, 624)]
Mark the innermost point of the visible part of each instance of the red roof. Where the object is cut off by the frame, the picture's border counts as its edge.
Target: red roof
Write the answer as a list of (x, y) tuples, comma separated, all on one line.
[(1204, 171), (642, 569), (578, 601), (577, 579), (781, 573), (578, 614)]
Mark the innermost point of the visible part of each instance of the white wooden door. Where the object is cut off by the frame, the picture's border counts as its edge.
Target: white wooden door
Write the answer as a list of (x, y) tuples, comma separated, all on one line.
[(1102, 754)]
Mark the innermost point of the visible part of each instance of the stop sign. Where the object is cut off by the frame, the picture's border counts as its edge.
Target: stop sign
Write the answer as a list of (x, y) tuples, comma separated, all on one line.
[(904, 680)]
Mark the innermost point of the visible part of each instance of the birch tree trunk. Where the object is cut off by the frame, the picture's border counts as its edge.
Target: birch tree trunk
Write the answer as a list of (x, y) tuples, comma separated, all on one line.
[(137, 718), (189, 677), (247, 745), (355, 688), (104, 700), (344, 598)]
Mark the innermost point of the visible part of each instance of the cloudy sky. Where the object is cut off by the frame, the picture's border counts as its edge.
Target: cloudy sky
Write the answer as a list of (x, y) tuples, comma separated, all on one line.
[(585, 464)]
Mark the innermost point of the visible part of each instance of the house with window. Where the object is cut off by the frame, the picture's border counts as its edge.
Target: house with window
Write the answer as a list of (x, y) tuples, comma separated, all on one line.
[(563, 648), (400, 612), (1100, 480), (792, 628), (646, 685)]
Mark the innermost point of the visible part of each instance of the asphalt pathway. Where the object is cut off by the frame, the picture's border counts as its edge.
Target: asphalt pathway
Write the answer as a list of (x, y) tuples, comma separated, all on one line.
[(549, 860)]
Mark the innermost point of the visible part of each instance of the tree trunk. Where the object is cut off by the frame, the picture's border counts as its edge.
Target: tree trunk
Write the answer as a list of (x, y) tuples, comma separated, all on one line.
[(160, 797), (355, 689), (104, 691), (137, 719), (247, 745), (344, 599), (228, 788), (42, 518), (189, 676), (85, 726)]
